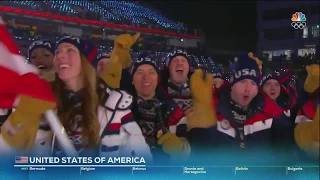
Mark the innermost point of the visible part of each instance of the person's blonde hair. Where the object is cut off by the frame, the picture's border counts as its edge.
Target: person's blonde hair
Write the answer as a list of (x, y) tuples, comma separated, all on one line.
[(90, 127)]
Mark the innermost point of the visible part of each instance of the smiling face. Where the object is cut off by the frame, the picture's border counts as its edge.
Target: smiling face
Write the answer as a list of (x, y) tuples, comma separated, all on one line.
[(67, 62), (145, 81), (42, 59), (179, 69)]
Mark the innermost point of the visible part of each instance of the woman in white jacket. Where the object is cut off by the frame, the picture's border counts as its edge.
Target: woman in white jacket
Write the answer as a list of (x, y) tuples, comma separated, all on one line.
[(98, 122)]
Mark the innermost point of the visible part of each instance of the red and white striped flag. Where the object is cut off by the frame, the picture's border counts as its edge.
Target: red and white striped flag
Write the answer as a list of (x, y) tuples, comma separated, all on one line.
[(17, 77)]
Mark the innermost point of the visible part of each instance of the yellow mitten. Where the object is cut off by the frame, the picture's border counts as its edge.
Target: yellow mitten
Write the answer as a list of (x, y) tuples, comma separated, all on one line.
[(112, 72), (312, 81), (176, 147), (27, 118), (307, 134), (203, 114), (122, 46), (120, 59)]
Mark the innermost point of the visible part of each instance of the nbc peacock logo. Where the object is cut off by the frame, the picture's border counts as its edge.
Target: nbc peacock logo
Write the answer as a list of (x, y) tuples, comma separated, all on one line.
[(298, 20)]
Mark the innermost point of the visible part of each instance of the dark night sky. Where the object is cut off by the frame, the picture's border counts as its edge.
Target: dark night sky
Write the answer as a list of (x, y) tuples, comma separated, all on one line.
[(231, 24)]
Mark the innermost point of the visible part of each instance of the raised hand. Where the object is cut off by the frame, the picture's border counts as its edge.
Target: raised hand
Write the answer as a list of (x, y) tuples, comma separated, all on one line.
[(203, 114), (122, 46)]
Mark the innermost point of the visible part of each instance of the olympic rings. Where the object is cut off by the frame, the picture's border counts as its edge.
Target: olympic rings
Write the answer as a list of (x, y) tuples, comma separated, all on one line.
[(298, 25)]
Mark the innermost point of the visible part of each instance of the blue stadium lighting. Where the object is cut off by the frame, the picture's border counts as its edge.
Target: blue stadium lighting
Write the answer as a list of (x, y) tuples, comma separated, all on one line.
[(113, 10)]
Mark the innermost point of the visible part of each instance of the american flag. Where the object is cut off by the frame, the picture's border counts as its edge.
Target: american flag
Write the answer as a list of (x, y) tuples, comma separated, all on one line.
[(21, 159)]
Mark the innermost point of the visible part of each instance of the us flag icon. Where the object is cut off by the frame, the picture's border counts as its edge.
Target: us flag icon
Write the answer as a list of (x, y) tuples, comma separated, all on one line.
[(21, 159)]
